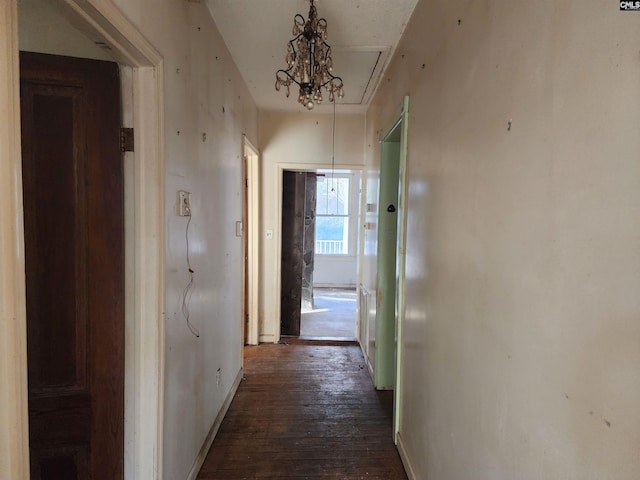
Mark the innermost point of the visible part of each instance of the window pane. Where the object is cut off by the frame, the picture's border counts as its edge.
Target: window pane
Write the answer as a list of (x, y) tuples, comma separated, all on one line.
[(321, 197), (332, 235), (333, 196)]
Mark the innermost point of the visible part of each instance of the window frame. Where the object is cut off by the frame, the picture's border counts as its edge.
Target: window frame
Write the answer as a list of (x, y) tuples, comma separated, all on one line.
[(351, 215)]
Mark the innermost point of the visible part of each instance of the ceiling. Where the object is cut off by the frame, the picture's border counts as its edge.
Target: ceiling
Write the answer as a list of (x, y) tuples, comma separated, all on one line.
[(362, 35)]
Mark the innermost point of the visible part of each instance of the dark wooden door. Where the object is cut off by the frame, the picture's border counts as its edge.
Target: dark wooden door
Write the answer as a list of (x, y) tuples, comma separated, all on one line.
[(293, 191), (74, 251)]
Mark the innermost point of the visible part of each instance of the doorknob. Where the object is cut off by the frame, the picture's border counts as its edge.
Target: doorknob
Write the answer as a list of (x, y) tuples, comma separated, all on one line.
[(391, 208)]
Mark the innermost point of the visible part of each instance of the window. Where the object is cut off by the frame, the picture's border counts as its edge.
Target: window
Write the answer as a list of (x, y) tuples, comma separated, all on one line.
[(333, 207)]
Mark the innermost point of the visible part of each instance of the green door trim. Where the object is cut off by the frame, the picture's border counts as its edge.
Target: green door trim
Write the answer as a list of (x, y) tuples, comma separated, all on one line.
[(401, 266), (390, 303), (385, 336)]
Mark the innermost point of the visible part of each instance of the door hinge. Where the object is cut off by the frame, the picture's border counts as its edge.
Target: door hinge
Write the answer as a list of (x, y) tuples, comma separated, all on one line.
[(126, 139)]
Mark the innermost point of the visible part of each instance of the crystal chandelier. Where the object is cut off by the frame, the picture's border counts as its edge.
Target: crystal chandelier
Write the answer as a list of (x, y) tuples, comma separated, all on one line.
[(309, 62)]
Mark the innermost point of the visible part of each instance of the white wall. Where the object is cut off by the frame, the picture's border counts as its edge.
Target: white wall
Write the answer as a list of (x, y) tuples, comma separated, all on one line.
[(335, 271), (295, 141), (522, 335), (207, 108)]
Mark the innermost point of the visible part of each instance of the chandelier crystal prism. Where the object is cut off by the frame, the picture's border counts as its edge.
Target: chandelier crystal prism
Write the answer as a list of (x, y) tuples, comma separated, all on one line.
[(309, 62)]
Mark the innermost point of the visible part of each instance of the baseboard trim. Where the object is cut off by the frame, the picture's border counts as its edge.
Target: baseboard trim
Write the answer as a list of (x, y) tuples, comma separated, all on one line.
[(366, 360), (202, 455), (405, 459), (339, 286), (267, 338), (324, 341)]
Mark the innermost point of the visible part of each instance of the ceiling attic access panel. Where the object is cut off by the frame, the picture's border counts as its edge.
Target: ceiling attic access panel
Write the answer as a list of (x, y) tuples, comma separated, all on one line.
[(362, 69)]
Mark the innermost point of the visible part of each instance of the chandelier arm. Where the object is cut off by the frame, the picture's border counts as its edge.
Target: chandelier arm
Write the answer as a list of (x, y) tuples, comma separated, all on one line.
[(295, 39), (291, 77), (293, 47), (295, 55), (327, 54), (329, 74), (331, 80)]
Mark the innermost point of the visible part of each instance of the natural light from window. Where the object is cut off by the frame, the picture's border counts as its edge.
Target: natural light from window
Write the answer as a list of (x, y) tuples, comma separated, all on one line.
[(332, 215)]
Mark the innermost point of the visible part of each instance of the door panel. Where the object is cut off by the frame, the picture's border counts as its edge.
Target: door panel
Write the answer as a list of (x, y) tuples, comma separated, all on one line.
[(293, 191), (57, 358), (74, 255)]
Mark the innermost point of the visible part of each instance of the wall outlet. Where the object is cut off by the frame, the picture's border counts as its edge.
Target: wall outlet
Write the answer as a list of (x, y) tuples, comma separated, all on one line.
[(184, 204)]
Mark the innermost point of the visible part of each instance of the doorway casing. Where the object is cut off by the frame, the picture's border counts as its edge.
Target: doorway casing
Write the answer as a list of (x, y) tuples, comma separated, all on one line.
[(393, 158), (280, 168), (251, 227), (142, 91)]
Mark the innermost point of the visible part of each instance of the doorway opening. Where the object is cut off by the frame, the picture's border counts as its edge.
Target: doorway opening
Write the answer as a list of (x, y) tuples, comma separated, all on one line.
[(319, 254), (141, 76), (391, 252)]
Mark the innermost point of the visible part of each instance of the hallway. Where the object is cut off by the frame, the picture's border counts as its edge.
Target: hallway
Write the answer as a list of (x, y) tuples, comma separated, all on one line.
[(305, 412)]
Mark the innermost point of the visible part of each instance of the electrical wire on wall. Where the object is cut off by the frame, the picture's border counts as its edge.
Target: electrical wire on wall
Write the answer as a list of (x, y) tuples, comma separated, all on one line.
[(333, 146), (186, 293)]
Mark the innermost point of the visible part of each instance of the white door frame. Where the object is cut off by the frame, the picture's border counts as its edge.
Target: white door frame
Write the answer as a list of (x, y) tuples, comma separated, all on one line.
[(144, 241), (280, 168), (252, 254), (14, 431)]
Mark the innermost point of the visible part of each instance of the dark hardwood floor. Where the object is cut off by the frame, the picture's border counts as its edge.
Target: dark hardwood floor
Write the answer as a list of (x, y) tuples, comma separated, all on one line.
[(305, 412)]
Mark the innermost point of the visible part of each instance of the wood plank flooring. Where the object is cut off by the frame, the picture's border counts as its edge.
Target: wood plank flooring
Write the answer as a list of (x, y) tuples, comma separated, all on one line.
[(305, 412)]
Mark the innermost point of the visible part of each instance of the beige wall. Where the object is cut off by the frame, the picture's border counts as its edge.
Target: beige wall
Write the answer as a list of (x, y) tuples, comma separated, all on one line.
[(295, 141), (522, 335), (42, 28)]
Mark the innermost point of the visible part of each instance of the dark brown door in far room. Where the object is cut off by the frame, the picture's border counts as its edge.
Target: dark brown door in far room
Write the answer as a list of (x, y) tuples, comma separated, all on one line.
[(74, 250), (293, 190)]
